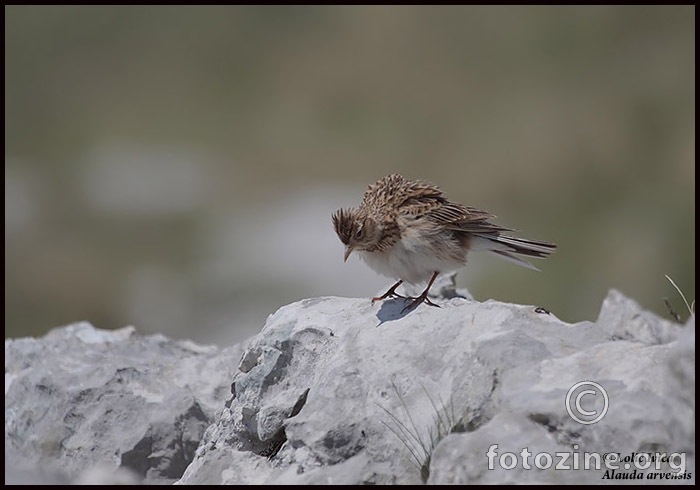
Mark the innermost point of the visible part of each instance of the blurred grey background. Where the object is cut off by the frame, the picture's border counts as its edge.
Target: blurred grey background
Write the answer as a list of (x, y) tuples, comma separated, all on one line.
[(175, 168)]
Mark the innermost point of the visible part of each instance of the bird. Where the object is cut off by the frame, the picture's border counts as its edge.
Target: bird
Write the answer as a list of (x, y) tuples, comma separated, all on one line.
[(409, 231)]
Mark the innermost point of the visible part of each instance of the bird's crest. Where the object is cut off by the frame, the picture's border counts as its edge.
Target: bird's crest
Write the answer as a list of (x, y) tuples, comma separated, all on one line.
[(344, 224)]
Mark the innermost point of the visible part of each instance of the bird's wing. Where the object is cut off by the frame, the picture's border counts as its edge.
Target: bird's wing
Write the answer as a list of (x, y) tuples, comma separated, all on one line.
[(465, 218), (394, 195)]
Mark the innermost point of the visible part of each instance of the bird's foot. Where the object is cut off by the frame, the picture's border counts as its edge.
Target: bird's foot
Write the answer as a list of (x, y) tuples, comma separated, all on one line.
[(423, 298), (391, 293), (385, 296)]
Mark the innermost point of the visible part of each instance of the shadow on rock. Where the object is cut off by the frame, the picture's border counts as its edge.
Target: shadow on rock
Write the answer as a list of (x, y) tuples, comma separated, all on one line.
[(393, 309)]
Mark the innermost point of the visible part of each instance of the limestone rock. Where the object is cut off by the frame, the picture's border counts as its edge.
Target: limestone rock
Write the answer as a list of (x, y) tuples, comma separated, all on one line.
[(340, 391), (336, 390), (83, 402)]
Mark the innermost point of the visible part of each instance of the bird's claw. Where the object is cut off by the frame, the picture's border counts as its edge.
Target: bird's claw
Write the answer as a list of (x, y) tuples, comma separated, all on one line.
[(392, 295), (423, 298)]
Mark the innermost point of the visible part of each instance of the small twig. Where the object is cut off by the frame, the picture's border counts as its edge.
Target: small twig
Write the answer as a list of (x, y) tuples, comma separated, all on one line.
[(691, 309), (672, 312)]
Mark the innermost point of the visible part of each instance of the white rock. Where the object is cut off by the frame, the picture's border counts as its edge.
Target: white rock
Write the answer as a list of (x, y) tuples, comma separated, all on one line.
[(337, 390), (340, 391), (81, 403)]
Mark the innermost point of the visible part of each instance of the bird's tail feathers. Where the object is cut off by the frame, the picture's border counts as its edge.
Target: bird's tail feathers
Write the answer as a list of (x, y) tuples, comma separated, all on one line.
[(505, 247)]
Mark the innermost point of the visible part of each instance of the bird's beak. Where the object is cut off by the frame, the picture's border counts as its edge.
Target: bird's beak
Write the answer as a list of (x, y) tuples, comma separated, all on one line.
[(348, 251)]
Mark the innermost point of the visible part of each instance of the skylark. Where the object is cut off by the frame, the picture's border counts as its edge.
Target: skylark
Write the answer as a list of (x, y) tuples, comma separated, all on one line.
[(408, 230)]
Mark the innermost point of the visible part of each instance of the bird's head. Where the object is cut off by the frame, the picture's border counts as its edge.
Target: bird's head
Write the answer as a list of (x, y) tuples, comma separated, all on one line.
[(356, 230)]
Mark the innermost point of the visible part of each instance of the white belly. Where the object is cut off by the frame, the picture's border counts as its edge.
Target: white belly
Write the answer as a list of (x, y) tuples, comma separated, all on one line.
[(410, 260)]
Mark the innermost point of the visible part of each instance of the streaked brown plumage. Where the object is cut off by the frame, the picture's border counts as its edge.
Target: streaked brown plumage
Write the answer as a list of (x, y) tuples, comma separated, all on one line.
[(409, 230)]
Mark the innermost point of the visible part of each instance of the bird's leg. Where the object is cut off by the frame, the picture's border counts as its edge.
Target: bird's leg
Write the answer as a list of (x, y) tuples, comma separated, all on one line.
[(391, 293), (423, 297)]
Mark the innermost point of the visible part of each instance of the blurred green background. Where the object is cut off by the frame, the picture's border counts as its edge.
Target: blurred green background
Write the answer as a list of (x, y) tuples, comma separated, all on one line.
[(175, 168)]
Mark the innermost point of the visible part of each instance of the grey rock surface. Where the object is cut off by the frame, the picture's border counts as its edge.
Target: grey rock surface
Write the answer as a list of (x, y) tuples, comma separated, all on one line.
[(85, 405), (336, 390), (340, 391)]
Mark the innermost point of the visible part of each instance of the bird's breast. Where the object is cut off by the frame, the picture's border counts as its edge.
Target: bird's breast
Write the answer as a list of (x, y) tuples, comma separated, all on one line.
[(414, 259)]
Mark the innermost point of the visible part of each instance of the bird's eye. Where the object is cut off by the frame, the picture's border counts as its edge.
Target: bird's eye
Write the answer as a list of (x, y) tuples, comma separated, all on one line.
[(360, 233)]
